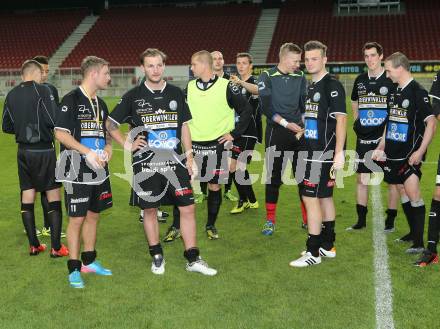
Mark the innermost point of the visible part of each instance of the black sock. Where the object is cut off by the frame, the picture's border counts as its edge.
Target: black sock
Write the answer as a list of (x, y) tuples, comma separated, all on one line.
[(313, 243), (249, 190), (204, 188), (391, 216), (433, 226), (229, 183), (176, 217), (155, 250), (272, 193), (55, 217), (362, 214), (408, 210), (328, 235), (214, 202), (241, 189), (191, 254), (46, 209), (74, 264), (88, 257), (28, 218), (419, 212)]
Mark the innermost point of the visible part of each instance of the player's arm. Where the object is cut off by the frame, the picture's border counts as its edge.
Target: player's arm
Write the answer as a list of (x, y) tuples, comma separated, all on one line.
[(425, 108), (187, 146), (49, 105), (355, 109), (339, 112), (434, 94), (7, 121), (355, 100), (250, 87)]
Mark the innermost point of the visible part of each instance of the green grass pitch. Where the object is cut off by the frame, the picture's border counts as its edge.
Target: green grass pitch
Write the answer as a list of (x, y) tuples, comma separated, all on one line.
[(255, 287)]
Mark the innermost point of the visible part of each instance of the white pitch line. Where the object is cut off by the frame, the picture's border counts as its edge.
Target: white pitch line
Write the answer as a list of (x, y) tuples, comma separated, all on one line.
[(382, 276)]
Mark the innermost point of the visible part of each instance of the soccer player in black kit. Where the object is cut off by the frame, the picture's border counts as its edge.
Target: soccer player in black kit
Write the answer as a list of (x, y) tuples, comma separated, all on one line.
[(159, 116), (370, 109), (325, 131), (29, 113), (409, 130), (430, 255), (242, 147), (86, 148), (44, 62)]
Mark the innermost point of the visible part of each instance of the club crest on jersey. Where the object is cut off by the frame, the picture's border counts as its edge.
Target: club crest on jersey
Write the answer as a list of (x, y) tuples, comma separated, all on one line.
[(405, 103), (316, 97), (383, 91), (173, 105)]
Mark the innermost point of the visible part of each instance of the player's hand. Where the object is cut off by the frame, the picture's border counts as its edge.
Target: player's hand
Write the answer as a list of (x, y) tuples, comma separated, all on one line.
[(189, 165), (92, 158), (108, 153), (138, 143), (294, 127), (235, 79), (378, 154), (415, 158), (339, 160), (225, 138)]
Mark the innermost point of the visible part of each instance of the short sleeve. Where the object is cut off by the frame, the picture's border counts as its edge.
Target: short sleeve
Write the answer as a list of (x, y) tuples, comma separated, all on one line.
[(65, 119), (354, 91), (122, 112), (336, 98), (423, 104)]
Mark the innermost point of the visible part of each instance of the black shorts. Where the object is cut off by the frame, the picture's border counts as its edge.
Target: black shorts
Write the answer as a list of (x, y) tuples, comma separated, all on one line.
[(368, 166), (81, 198), (212, 160), (243, 144), (397, 172), (157, 184), (36, 169), (316, 180), (284, 141)]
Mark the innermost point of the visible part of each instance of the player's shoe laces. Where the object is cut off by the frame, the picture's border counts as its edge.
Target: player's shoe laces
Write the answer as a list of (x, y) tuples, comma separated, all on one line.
[(199, 197), (96, 268), (427, 258), (211, 232), (46, 232), (324, 252), (200, 266), (230, 196), (306, 260), (405, 238), (172, 234), (357, 226), (240, 207), (158, 264), (62, 252), (254, 205), (75, 280), (33, 251), (268, 228), (414, 249)]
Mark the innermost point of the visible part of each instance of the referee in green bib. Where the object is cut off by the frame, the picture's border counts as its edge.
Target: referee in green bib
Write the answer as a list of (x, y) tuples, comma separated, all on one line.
[(219, 115)]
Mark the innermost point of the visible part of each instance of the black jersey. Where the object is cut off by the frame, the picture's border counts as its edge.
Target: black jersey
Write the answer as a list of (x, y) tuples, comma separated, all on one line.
[(84, 119), (54, 92), (161, 113), (325, 99), (372, 94), (434, 93), (29, 113), (251, 130), (409, 107)]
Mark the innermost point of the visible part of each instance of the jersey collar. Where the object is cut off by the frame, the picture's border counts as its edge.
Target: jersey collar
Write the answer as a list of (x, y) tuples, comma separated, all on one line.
[(375, 78), (154, 91)]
